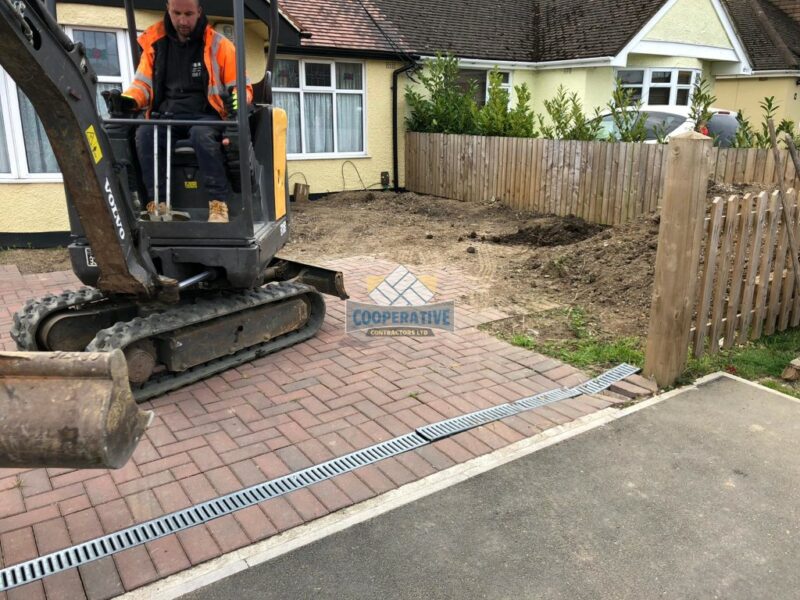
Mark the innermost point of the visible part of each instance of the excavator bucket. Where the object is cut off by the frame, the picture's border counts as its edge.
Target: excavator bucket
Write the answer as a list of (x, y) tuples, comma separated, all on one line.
[(67, 409)]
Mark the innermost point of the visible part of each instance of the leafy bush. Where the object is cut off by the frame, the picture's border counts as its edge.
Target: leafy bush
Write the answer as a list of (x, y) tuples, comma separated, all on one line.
[(495, 118), (747, 137), (566, 119), (446, 108), (627, 115), (700, 107)]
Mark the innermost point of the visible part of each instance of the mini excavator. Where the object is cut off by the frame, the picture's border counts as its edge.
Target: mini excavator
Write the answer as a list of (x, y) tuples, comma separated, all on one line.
[(169, 300)]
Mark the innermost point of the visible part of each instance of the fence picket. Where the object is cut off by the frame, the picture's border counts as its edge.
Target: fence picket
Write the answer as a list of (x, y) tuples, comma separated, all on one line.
[(779, 264), (707, 280), (766, 265), (735, 292), (718, 302), (752, 267), (788, 282)]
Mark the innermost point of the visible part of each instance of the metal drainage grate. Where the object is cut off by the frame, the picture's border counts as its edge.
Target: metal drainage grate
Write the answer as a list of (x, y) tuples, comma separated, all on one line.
[(86, 552), (442, 429), (598, 384), (81, 554)]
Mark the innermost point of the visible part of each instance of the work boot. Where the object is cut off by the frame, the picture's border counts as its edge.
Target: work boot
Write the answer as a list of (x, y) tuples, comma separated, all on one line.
[(162, 208), (217, 212)]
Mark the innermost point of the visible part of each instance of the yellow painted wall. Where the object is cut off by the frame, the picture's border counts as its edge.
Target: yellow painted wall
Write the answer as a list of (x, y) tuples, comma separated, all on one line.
[(691, 22), (746, 94), (666, 62)]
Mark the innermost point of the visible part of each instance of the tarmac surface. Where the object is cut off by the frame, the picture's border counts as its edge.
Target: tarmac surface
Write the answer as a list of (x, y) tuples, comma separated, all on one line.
[(697, 496)]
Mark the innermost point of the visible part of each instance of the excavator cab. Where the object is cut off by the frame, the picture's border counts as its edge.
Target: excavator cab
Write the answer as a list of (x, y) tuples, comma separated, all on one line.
[(172, 299)]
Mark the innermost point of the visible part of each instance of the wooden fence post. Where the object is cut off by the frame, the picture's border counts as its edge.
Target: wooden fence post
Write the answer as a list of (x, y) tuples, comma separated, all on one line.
[(678, 257)]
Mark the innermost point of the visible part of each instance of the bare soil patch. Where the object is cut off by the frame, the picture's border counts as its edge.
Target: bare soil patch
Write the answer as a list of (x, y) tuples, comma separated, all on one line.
[(36, 261)]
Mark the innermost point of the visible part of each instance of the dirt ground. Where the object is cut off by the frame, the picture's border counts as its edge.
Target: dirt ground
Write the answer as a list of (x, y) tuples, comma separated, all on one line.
[(525, 264)]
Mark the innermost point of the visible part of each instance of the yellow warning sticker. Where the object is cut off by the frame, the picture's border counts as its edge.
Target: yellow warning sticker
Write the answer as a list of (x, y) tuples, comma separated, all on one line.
[(91, 137), (190, 185)]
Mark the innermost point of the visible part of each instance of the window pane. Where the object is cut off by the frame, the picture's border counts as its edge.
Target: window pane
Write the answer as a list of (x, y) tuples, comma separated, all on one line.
[(349, 122), (684, 77), (287, 73), (682, 99), (661, 77), (319, 122), (478, 76), (290, 102), (630, 77), (101, 50), (658, 95), (636, 93), (318, 74), (5, 161), (506, 76), (37, 147), (101, 103), (348, 76)]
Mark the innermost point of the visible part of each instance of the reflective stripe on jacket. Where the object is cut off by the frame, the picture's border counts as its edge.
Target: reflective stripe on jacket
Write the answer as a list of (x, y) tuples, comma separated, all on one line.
[(219, 59)]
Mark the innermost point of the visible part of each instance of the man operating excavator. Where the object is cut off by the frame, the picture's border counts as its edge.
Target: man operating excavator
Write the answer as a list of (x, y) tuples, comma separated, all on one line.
[(187, 71)]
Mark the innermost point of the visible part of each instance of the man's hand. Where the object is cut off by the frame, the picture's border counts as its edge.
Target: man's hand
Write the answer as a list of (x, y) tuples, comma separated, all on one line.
[(119, 105), (231, 103)]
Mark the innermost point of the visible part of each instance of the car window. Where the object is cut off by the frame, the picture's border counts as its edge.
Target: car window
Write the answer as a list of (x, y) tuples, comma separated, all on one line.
[(660, 120), (723, 126), (608, 129)]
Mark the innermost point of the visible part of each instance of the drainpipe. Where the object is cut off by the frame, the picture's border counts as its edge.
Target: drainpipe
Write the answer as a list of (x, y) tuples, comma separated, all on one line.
[(395, 74)]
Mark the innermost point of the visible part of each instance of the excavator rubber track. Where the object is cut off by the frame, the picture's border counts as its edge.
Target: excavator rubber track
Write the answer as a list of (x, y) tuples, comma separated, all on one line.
[(175, 320)]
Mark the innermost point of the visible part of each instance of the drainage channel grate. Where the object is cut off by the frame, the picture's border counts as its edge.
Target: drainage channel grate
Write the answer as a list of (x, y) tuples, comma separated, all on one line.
[(86, 552), (81, 554)]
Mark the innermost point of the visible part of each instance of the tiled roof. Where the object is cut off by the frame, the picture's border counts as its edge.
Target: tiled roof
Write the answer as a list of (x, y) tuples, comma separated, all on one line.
[(762, 50), (517, 30)]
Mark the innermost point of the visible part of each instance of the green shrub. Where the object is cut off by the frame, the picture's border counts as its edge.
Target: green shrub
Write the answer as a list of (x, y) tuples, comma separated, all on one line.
[(495, 118), (566, 119), (445, 108), (627, 115)]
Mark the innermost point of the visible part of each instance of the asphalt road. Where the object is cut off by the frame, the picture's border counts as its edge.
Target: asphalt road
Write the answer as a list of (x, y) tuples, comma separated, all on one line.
[(694, 497)]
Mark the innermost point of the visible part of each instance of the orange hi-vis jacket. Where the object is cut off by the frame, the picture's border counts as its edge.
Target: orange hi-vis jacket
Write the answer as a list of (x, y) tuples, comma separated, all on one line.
[(219, 59)]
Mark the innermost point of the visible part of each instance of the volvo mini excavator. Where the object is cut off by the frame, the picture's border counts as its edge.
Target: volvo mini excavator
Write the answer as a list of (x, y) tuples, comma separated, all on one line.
[(171, 299)]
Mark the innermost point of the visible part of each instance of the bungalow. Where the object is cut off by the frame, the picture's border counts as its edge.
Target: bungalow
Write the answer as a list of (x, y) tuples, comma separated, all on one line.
[(342, 68)]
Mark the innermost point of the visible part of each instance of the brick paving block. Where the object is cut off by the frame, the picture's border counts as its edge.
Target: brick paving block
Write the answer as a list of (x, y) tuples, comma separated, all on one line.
[(393, 425), (170, 450), (315, 451), (227, 533), (255, 523), (355, 489), (31, 591), (244, 453), (293, 432), (538, 418), (271, 465), (553, 416), (164, 464), (629, 390), (100, 579), (144, 506), (306, 504), (293, 458), (176, 421), (410, 418), (313, 405), (52, 536), (167, 555), (160, 435), (454, 451), (101, 489), (566, 409), (234, 427), (223, 480), (54, 496), (324, 428), (198, 488), (471, 443), (145, 483), (281, 514), (489, 437), (198, 544), (303, 418), (205, 458), (642, 382), (127, 473), (221, 442), (34, 482), (395, 471), (114, 515), (135, 567), (435, 457), (330, 495), (11, 503), (83, 526), (355, 419), (522, 425), (145, 452), (28, 518), (72, 505), (416, 464), (247, 472), (336, 444)]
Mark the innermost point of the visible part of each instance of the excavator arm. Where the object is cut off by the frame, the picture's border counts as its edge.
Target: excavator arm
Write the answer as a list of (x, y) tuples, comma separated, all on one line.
[(57, 78)]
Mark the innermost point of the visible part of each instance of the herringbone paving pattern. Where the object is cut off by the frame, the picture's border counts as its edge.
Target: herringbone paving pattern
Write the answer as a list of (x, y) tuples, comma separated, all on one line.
[(320, 399)]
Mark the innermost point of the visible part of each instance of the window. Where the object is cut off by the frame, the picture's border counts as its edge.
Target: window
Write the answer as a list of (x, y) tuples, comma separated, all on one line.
[(659, 86), (25, 151), (481, 79), (324, 101)]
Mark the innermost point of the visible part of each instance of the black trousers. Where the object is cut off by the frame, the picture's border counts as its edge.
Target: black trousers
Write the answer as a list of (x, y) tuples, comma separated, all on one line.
[(207, 144)]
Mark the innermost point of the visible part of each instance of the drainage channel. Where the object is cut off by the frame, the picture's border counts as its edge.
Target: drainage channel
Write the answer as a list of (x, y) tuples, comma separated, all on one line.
[(100, 547)]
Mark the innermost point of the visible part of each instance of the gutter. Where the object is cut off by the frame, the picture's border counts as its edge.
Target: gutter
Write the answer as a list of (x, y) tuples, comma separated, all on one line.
[(764, 74), (600, 61), (395, 75)]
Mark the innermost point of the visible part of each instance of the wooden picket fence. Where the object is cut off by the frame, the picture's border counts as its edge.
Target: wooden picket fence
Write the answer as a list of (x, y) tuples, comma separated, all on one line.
[(608, 183), (747, 286)]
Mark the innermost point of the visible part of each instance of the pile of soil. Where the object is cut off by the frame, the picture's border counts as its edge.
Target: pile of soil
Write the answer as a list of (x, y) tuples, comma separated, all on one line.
[(552, 231)]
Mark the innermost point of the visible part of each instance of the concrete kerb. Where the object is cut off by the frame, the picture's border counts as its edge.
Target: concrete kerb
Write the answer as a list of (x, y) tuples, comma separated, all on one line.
[(244, 558)]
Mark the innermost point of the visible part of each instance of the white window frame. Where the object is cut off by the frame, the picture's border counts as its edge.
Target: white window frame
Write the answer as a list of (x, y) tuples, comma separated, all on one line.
[(303, 89), (674, 86), (10, 110)]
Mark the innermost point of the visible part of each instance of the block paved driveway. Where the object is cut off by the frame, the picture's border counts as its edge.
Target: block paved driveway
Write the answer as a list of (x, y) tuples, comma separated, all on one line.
[(326, 397)]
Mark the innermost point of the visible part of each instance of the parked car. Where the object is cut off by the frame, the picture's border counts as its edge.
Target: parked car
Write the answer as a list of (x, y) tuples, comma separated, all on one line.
[(674, 120)]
